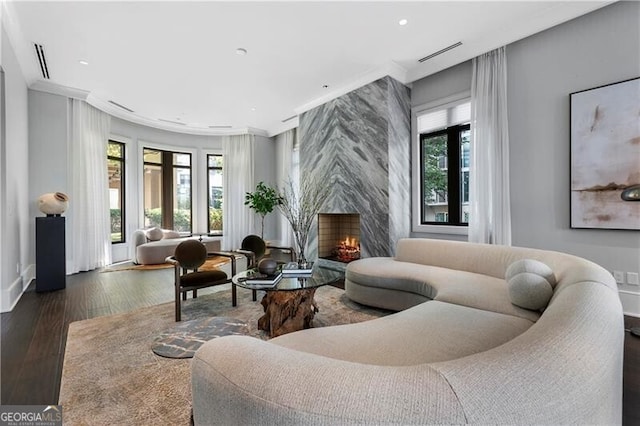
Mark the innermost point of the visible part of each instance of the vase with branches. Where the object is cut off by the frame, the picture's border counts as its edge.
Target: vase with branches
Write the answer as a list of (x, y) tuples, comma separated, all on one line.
[(300, 207), (263, 200)]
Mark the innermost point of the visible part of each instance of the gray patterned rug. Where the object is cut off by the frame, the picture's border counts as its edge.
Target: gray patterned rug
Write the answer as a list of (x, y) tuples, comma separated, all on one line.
[(111, 376)]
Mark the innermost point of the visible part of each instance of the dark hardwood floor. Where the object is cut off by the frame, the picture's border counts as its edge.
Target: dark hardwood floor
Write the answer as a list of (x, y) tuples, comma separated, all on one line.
[(34, 334)]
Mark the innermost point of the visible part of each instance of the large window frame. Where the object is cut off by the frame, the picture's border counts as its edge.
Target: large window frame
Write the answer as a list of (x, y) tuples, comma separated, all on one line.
[(452, 163), (120, 160), (210, 168), (417, 113), (168, 169)]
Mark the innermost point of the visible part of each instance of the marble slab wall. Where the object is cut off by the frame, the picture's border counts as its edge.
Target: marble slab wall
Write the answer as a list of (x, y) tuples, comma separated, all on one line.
[(359, 143)]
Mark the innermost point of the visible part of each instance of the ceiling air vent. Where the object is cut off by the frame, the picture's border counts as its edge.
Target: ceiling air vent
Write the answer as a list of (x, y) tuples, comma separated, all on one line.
[(172, 122), (220, 127), (440, 52), (42, 60), (289, 119), (120, 106)]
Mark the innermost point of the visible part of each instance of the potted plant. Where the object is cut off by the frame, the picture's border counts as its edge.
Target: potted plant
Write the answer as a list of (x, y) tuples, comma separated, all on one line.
[(300, 207), (263, 200)]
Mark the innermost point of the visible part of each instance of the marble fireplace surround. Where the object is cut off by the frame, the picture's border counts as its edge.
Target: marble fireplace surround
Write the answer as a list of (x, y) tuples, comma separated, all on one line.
[(359, 143)]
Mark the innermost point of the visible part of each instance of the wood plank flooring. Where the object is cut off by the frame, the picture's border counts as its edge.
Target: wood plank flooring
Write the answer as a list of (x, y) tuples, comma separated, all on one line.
[(34, 334)]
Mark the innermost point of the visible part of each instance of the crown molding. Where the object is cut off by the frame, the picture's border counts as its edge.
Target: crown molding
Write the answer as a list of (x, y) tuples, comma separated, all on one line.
[(390, 69), (58, 89)]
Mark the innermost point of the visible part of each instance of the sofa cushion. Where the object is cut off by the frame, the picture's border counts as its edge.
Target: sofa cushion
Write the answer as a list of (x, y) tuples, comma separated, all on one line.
[(430, 332), (154, 234), (168, 234), (530, 291), (533, 266)]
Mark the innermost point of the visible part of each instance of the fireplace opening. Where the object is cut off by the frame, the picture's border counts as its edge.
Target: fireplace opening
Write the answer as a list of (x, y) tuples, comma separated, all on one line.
[(339, 236)]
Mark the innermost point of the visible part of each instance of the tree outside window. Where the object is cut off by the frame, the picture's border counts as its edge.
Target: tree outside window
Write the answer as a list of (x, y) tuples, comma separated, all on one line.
[(115, 171)]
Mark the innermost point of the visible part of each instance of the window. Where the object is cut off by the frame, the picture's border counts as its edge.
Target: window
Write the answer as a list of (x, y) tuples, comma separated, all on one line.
[(115, 170), (214, 193), (444, 143), (167, 189)]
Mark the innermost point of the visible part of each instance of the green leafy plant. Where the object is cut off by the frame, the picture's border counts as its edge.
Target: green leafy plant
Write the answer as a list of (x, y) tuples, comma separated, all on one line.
[(263, 200)]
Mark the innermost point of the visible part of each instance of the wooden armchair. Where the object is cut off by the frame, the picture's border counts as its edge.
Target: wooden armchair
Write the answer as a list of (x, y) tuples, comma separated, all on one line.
[(189, 256)]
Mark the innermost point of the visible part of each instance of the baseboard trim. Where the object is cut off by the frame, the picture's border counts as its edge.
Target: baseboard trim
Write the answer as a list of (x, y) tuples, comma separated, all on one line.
[(12, 295), (630, 303)]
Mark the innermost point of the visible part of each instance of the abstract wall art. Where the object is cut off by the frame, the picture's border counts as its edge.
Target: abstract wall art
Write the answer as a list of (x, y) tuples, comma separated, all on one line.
[(605, 155)]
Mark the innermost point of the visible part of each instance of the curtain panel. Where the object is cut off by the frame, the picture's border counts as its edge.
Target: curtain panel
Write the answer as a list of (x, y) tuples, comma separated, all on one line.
[(89, 221), (237, 219), (287, 171), (489, 200)]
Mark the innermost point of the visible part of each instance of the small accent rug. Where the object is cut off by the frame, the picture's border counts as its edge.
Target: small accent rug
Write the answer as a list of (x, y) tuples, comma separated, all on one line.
[(184, 339), (210, 264), (111, 376)]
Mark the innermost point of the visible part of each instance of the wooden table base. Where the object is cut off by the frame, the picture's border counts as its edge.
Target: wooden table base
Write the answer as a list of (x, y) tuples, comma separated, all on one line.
[(287, 311)]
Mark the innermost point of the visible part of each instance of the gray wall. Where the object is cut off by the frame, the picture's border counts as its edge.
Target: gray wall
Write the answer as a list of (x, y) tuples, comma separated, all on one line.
[(599, 48), (14, 181), (264, 170)]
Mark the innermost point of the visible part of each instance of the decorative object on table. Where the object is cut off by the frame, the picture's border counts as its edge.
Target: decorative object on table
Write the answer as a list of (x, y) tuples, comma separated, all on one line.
[(263, 200), (53, 203), (267, 266), (631, 194), (295, 269), (301, 206), (605, 148), (258, 280), (184, 339)]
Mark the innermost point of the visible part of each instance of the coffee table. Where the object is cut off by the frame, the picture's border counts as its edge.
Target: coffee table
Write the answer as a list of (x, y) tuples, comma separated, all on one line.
[(289, 305)]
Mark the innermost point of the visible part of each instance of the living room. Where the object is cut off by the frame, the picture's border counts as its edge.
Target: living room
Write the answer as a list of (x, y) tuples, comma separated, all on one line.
[(596, 49)]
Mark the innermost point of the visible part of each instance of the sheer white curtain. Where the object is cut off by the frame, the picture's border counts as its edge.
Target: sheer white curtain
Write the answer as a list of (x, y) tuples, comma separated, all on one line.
[(489, 201), (89, 224), (287, 152), (237, 219)]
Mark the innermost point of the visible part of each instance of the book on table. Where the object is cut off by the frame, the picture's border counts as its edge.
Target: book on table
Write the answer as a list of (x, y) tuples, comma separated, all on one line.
[(261, 280), (292, 268)]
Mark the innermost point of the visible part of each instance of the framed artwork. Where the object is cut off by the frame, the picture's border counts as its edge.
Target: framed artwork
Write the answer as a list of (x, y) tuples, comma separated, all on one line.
[(605, 155)]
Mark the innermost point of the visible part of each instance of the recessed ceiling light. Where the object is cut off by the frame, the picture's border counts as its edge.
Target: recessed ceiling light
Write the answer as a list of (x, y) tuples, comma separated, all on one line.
[(253, 109), (325, 86), (403, 22), (84, 62), (240, 51)]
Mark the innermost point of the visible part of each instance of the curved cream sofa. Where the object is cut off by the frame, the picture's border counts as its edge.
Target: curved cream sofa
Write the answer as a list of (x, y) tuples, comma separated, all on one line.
[(147, 252), (467, 355)]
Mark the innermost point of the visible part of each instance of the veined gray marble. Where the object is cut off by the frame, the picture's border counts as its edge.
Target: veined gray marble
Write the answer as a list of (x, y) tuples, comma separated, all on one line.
[(360, 143)]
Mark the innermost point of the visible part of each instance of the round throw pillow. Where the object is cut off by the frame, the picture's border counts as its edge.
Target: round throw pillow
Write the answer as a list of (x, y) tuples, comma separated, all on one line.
[(154, 234), (533, 266), (168, 235), (529, 291)]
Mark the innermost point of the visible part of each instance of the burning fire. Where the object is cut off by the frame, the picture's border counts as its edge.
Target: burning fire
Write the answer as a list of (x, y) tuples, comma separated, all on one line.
[(348, 250)]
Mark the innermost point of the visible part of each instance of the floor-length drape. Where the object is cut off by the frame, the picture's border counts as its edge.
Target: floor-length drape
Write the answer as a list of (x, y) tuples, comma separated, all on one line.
[(489, 200), (286, 143), (89, 225), (237, 219)]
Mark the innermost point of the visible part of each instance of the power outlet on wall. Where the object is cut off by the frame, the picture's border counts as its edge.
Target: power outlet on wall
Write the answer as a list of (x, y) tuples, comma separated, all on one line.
[(619, 276), (632, 278)]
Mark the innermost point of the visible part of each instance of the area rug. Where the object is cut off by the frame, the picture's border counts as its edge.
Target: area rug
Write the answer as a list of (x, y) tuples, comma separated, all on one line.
[(209, 264), (111, 376)]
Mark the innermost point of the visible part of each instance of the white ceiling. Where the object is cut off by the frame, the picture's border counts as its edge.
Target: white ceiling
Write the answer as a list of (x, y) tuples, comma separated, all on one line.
[(177, 61)]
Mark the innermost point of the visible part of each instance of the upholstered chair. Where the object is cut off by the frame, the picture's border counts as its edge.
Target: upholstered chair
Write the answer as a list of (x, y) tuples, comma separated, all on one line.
[(188, 257)]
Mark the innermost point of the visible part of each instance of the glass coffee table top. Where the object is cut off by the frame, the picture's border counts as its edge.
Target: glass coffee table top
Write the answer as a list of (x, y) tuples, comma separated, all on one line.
[(319, 277)]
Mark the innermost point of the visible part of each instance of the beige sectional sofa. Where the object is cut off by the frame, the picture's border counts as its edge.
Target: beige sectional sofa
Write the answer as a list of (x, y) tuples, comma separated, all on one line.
[(153, 246), (458, 352)]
